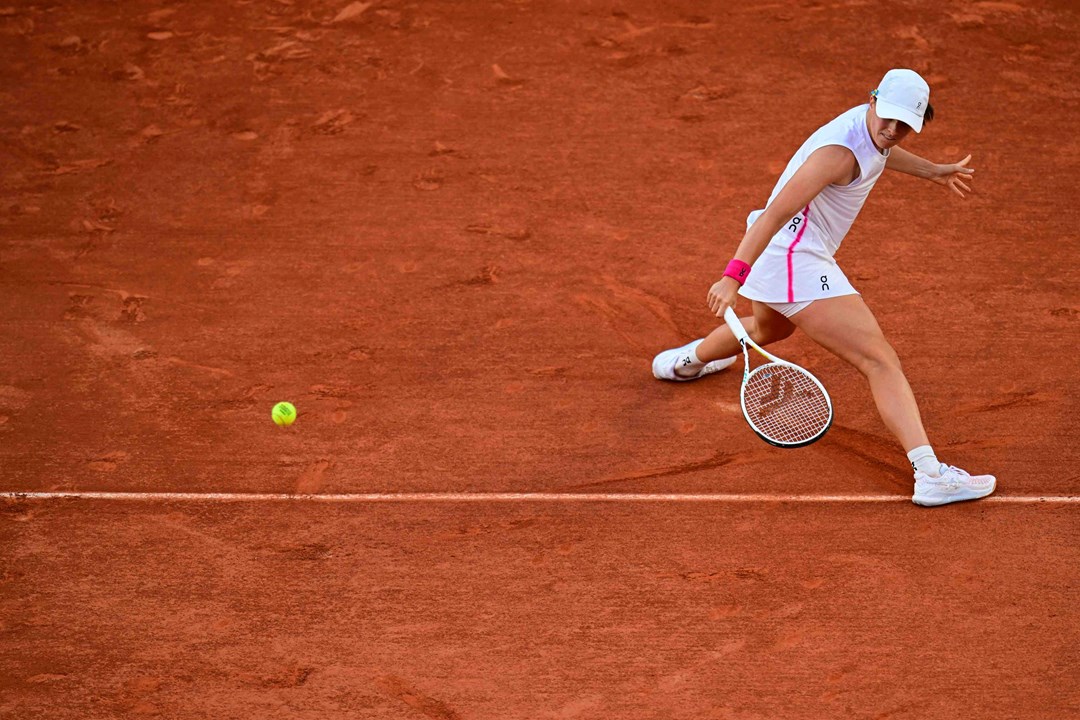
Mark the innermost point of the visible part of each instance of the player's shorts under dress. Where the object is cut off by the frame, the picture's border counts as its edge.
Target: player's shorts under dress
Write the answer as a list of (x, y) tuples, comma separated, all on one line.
[(797, 266)]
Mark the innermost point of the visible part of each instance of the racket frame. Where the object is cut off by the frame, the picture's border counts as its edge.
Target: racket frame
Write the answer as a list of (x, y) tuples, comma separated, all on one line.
[(745, 340)]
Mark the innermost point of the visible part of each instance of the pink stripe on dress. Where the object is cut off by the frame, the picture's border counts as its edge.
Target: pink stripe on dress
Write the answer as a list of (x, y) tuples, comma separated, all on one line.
[(791, 252)]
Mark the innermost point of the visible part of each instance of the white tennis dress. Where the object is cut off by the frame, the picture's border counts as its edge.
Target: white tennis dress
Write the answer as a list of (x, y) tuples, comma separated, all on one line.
[(797, 265)]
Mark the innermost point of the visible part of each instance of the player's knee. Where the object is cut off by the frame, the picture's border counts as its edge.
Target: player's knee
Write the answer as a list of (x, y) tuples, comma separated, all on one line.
[(766, 334), (878, 358)]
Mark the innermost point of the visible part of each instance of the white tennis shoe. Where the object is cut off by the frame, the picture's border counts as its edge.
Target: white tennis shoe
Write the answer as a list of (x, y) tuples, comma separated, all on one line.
[(663, 365), (952, 486)]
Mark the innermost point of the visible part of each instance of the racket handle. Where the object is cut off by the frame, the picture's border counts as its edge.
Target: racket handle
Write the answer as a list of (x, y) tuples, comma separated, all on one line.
[(736, 327)]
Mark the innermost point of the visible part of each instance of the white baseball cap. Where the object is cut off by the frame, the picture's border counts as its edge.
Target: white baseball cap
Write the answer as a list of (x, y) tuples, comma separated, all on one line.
[(903, 95)]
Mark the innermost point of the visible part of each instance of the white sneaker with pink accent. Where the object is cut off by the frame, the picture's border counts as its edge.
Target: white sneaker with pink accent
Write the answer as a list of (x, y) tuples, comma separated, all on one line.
[(953, 485)]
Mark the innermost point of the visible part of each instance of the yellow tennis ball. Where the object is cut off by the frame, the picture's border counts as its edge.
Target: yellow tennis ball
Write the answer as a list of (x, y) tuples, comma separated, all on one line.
[(283, 413)]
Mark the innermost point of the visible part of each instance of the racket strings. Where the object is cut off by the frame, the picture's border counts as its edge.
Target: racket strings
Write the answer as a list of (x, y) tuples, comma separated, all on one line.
[(785, 403)]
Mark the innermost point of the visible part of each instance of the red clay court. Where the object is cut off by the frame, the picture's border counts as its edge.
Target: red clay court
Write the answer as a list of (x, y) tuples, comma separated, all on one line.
[(454, 234)]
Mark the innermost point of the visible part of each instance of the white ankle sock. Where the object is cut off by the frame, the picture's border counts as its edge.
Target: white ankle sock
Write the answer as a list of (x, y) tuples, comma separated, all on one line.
[(923, 459), (689, 364)]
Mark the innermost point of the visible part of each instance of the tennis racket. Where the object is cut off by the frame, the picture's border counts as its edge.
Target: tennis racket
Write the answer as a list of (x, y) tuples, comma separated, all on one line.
[(783, 403)]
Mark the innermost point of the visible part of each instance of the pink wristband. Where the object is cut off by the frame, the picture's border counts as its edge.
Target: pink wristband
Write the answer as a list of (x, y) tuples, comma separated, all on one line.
[(739, 270)]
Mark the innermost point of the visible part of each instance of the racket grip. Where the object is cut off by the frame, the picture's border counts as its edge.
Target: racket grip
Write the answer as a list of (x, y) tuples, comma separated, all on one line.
[(736, 326)]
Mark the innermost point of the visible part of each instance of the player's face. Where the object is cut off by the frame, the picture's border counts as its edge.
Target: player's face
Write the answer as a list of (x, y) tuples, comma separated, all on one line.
[(886, 133)]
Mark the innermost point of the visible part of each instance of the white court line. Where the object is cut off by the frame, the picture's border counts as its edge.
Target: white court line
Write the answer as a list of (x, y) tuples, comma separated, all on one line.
[(478, 497)]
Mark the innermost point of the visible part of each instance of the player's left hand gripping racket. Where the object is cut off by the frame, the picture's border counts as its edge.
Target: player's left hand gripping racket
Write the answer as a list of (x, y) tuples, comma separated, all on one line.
[(783, 403)]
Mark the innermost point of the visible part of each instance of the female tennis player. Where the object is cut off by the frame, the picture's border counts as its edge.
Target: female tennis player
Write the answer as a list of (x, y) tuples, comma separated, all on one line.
[(785, 266)]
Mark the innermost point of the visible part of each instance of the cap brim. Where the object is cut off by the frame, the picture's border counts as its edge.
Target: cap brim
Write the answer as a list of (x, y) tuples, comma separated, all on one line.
[(894, 112)]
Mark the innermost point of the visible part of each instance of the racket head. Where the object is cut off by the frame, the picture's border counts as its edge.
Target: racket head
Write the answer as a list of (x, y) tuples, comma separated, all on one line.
[(785, 405)]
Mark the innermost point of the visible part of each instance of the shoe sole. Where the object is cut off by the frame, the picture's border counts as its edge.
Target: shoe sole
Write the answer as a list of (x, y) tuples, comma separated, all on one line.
[(928, 501)]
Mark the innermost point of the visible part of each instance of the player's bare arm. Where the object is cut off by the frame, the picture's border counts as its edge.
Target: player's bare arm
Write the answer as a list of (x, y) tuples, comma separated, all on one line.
[(954, 176), (828, 165)]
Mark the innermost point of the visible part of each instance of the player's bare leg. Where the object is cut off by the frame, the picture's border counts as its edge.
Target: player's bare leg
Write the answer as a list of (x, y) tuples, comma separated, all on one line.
[(846, 327), (764, 327), (719, 350)]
